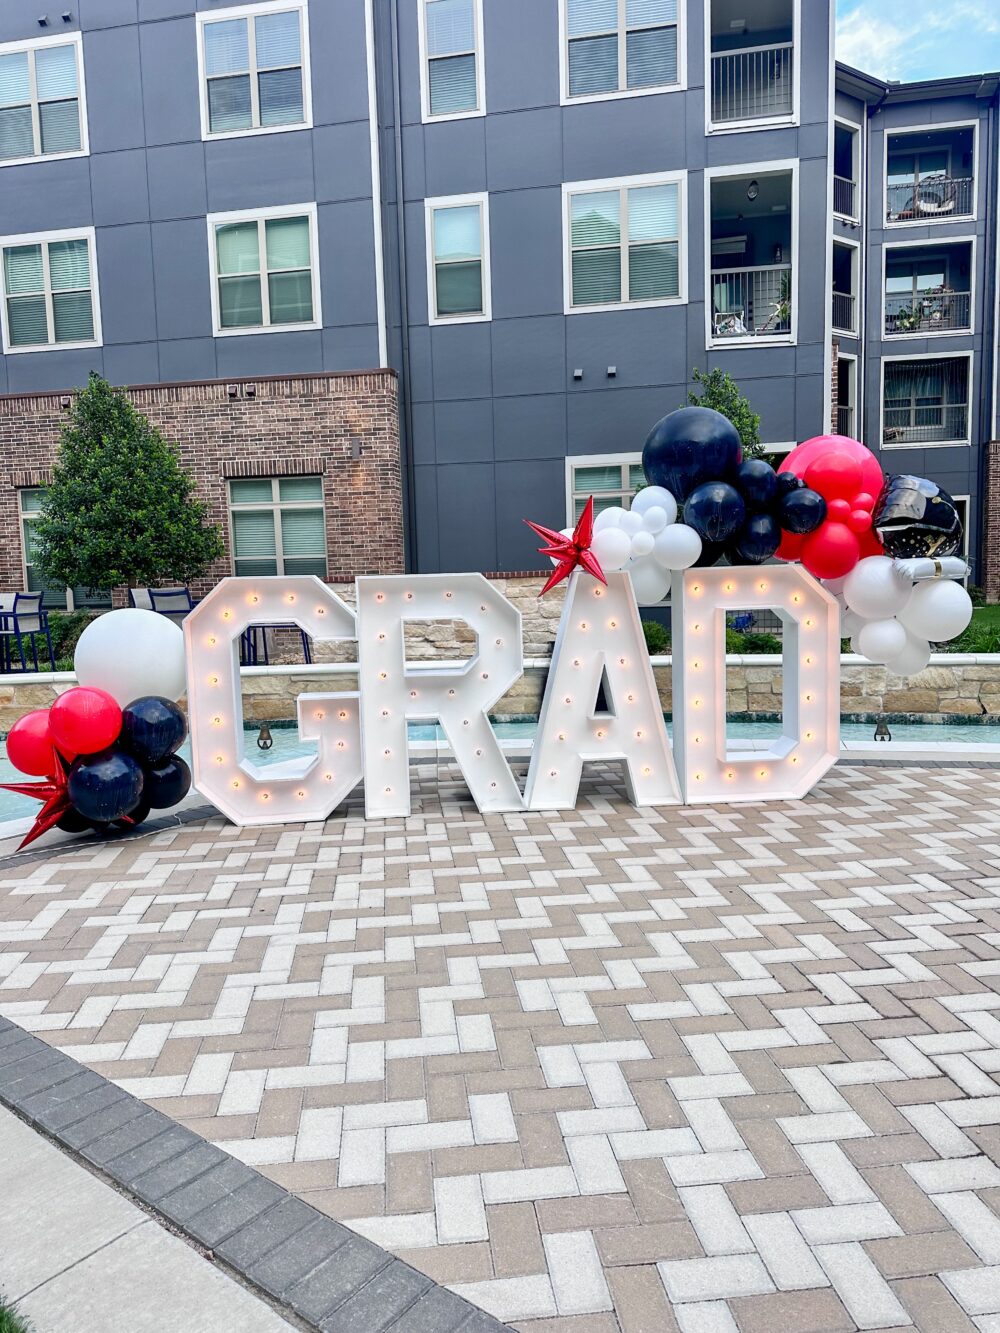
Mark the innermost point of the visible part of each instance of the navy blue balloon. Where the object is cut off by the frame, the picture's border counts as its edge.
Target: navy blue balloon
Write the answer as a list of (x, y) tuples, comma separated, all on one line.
[(152, 729), (167, 783), (756, 541), (106, 785), (716, 511), (788, 481), (71, 821), (688, 447), (801, 511), (710, 553), (756, 482), (134, 817)]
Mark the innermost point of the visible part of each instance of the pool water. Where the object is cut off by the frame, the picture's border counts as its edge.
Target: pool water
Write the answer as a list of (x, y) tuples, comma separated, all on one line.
[(288, 746)]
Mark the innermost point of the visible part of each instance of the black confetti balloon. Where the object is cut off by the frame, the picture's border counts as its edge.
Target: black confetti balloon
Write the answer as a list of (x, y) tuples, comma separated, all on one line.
[(915, 517)]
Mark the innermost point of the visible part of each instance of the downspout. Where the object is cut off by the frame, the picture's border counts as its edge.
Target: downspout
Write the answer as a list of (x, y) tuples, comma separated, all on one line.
[(406, 442), (989, 401)]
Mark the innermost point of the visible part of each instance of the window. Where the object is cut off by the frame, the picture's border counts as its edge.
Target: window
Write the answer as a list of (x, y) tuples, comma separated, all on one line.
[(41, 100), (930, 175), (611, 481), (846, 142), (624, 242), (451, 60), (50, 292), (278, 526), (926, 402), (56, 598), (264, 270), (458, 249), (928, 290), (619, 46), (255, 69)]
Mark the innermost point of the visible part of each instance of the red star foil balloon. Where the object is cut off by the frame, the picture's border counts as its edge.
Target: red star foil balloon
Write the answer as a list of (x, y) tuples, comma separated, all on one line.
[(570, 552), (53, 795)]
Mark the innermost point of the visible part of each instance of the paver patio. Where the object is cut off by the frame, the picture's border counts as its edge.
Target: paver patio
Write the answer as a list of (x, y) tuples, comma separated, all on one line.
[(611, 1071)]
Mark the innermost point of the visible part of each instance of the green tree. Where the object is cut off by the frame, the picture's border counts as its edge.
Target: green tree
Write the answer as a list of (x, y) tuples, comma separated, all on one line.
[(720, 391), (120, 510)]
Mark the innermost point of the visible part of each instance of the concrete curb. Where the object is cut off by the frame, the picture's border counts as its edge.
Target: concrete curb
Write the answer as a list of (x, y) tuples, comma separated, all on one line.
[(301, 1261)]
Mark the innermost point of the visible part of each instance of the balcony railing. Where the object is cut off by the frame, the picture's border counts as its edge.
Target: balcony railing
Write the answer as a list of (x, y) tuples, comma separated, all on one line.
[(843, 312), (925, 425), (930, 200), (928, 313), (752, 84), (752, 302), (845, 421), (844, 193)]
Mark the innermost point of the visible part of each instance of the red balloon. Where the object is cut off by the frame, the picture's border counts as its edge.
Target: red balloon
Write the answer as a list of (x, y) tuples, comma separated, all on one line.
[(859, 520), (822, 445), (836, 476), (831, 551), (863, 501), (839, 510), (84, 720), (29, 745), (791, 546)]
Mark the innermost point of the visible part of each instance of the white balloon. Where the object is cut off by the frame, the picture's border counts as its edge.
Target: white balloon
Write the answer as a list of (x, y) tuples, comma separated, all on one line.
[(676, 547), (939, 610), (855, 646), (612, 547), (131, 653), (912, 659), (834, 586), (630, 523), (565, 532), (608, 518), (650, 583), (881, 640), (850, 623), (877, 588), (642, 545), (657, 497), (654, 519)]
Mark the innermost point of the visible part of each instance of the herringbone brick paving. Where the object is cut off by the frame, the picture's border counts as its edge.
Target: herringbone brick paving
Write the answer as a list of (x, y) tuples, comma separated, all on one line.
[(611, 1071)]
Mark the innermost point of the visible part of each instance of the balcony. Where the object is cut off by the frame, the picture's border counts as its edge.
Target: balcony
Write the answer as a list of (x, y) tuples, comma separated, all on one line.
[(931, 176), (845, 421), (843, 312), (939, 200), (928, 289), (754, 84), (751, 283), (926, 402), (844, 195), (846, 170), (752, 302), (927, 313)]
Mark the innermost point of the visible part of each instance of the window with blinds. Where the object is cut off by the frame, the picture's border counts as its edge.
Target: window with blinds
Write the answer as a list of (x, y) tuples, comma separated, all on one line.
[(620, 46), (49, 292), (278, 526), (264, 271), (612, 483), (625, 243), (41, 100), (56, 597), (451, 36), (926, 402), (256, 76), (458, 260)]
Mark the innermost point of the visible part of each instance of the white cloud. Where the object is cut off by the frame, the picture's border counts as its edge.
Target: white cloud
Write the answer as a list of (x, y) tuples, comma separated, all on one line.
[(895, 39), (871, 44)]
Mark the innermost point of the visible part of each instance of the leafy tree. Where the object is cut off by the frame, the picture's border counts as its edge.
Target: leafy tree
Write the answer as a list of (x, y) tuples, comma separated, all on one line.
[(120, 509), (720, 391)]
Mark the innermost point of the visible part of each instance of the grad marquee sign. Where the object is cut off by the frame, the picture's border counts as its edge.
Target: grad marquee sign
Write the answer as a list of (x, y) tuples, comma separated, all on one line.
[(362, 736)]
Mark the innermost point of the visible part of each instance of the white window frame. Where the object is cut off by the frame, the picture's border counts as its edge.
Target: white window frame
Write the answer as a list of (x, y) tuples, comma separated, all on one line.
[(892, 247), (427, 117), (852, 359), (574, 461), (565, 98), (42, 238), (431, 206), (276, 505), (855, 130), (260, 216), (23, 517), (764, 123), (622, 184), (206, 17), (855, 247), (930, 128), (779, 167), (74, 39), (964, 552), (928, 444)]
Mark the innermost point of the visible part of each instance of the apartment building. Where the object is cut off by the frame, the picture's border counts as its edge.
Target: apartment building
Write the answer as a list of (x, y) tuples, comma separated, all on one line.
[(460, 255)]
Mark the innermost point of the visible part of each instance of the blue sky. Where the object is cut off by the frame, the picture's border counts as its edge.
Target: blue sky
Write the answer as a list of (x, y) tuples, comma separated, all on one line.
[(919, 39)]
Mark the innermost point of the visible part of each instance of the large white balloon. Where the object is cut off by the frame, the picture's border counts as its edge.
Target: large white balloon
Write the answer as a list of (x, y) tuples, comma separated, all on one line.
[(877, 588), (850, 623), (612, 547), (881, 640), (912, 659), (655, 497), (132, 653), (676, 547), (939, 610), (630, 523), (650, 583), (654, 519), (608, 518), (642, 545)]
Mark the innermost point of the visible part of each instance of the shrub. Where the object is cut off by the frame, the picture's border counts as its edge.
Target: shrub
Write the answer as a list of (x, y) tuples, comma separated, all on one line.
[(720, 391), (657, 638), (66, 628), (753, 642)]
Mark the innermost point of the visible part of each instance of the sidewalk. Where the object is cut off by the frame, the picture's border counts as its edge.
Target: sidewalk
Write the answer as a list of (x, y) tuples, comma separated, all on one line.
[(74, 1254)]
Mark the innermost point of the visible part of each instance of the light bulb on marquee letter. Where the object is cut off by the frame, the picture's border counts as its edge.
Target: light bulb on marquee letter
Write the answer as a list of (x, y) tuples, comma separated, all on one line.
[(297, 790), (600, 636), (809, 743), (457, 697)]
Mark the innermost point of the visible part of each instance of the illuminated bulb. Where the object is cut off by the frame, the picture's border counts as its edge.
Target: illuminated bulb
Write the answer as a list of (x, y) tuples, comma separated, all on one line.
[(696, 587), (697, 740), (795, 759), (328, 777), (622, 661), (583, 624), (730, 774), (216, 721), (486, 675), (498, 642), (343, 715), (387, 753), (253, 599), (808, 698), (696, 703), (385, 712), (762, 773), (341, 745), (598, 592), (630, 698), (300, 794), (809, 623), (213, 680), (383, 675), (697, 627), (236, 784), (321, 610), (698, 777), (291, 598), (265, 796), (212, 641), (380, 597), (227, 615), (409, 596), (562, 735), (319, 716), (809, 735), (413, 694), (796, 598), (451, 694), (696, 665), (479, 754), (612, 624), (808, 661), (220, 758), (646, 772), (567, 700), (552, 773), (448, 595), (381, 637), (729, 587), (388, 791), (465, 722), (600, 735), (762, 587), (638, 735), (576, 661)]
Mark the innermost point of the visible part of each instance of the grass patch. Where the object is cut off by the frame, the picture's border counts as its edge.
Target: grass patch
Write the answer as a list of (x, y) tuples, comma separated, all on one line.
[(11, 1321)]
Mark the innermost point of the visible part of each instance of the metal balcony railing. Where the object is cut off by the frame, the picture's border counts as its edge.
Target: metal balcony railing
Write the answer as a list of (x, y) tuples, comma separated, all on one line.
[(752, 302), (844, 194), (843, 312), (937, 200), (845, 421), (925, 425), (928, 313), (752, 84)]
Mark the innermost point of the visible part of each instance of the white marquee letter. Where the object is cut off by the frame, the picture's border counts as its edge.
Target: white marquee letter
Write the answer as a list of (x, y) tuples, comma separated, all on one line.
[(297, 790), (810, 740), (600, 635), (458, 697)]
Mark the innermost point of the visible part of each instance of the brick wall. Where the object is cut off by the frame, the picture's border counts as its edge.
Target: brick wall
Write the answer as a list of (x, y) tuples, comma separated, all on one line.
[(991, 524), (834, 386), (305, 425)]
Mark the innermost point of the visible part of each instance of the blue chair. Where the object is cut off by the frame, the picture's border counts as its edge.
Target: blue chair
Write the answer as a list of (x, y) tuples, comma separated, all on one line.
[(174, 603), (24, 619)]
